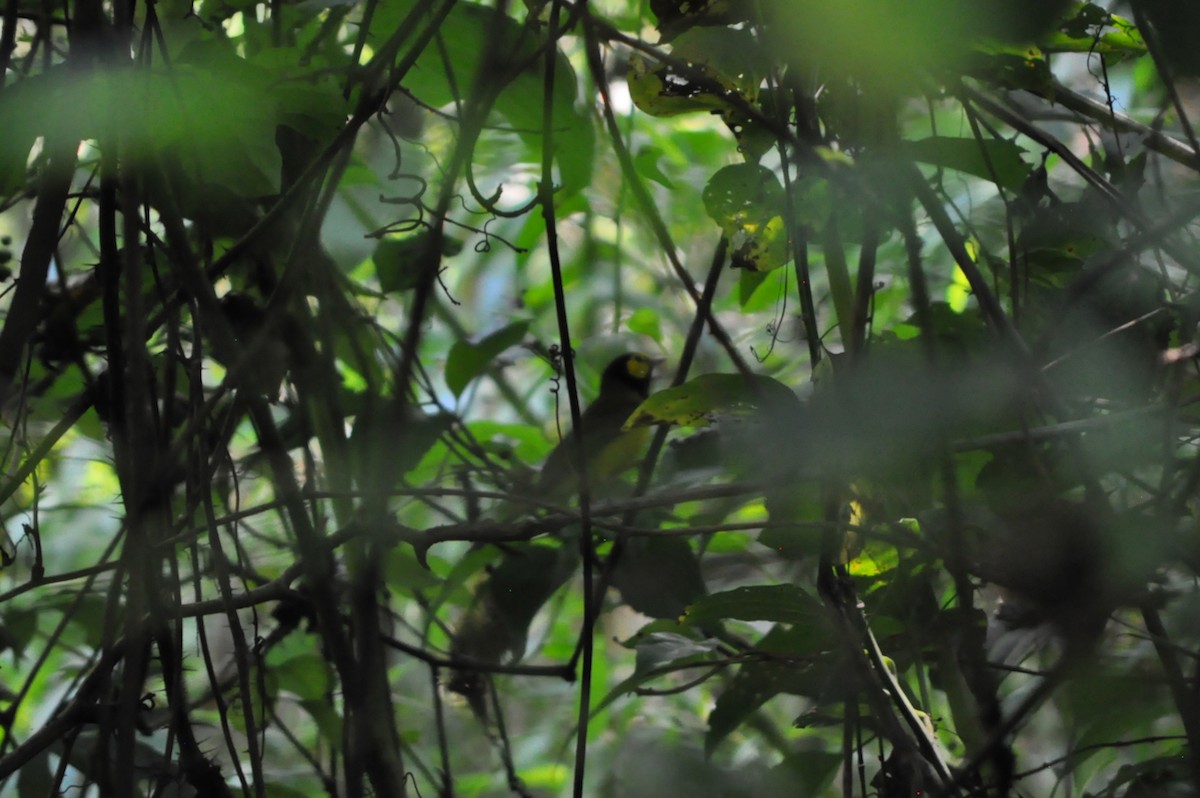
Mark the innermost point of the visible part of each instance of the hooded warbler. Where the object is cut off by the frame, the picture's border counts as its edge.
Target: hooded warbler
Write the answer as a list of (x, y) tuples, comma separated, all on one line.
[(527, 575), (609, 449)]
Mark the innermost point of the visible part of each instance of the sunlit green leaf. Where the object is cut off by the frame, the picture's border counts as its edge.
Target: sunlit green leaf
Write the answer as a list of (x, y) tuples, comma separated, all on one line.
[(746, 201), (701, 400)]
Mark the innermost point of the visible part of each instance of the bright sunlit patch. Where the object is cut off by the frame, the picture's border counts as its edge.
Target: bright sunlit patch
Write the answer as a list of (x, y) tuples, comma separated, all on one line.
[(99, 483), (958, 293), (619, 98), (235, 26)]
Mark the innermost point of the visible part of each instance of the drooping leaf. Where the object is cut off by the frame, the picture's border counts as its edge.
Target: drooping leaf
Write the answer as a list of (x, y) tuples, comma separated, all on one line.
[(997, 160), (467, 360), (646, 163)]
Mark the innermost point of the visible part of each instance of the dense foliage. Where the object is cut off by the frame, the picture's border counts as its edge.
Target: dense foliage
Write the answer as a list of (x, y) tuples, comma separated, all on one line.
[(298, 296)]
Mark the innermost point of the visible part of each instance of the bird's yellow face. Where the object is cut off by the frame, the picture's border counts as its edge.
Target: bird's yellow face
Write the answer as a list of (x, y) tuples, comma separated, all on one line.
[(639, 366), (628, 375)]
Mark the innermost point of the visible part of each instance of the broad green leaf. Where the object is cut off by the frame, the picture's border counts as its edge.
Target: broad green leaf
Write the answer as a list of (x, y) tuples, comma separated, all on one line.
[(1084, 32), (659, 576), (708, 397), (306, 675), (747, 203), (467, 360), (721, 63), (777, 603), (749, 283), (996, 160)]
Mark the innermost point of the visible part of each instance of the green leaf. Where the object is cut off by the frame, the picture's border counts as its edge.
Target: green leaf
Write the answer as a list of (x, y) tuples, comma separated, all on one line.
[(398, 261), (659, 576), (1083, 33), (748, 285), (404, 441), (504, 606), (645, 321), (809, 670), (747, 203), (698, 402), (467, 360), (722, 63), (777, 603), (997, 160), (405, 573), (329, 723), (646, 163), (305, 675)]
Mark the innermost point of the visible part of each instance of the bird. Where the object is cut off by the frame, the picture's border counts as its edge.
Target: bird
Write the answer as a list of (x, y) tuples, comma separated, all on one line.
[(609, 448), (527, 575)]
